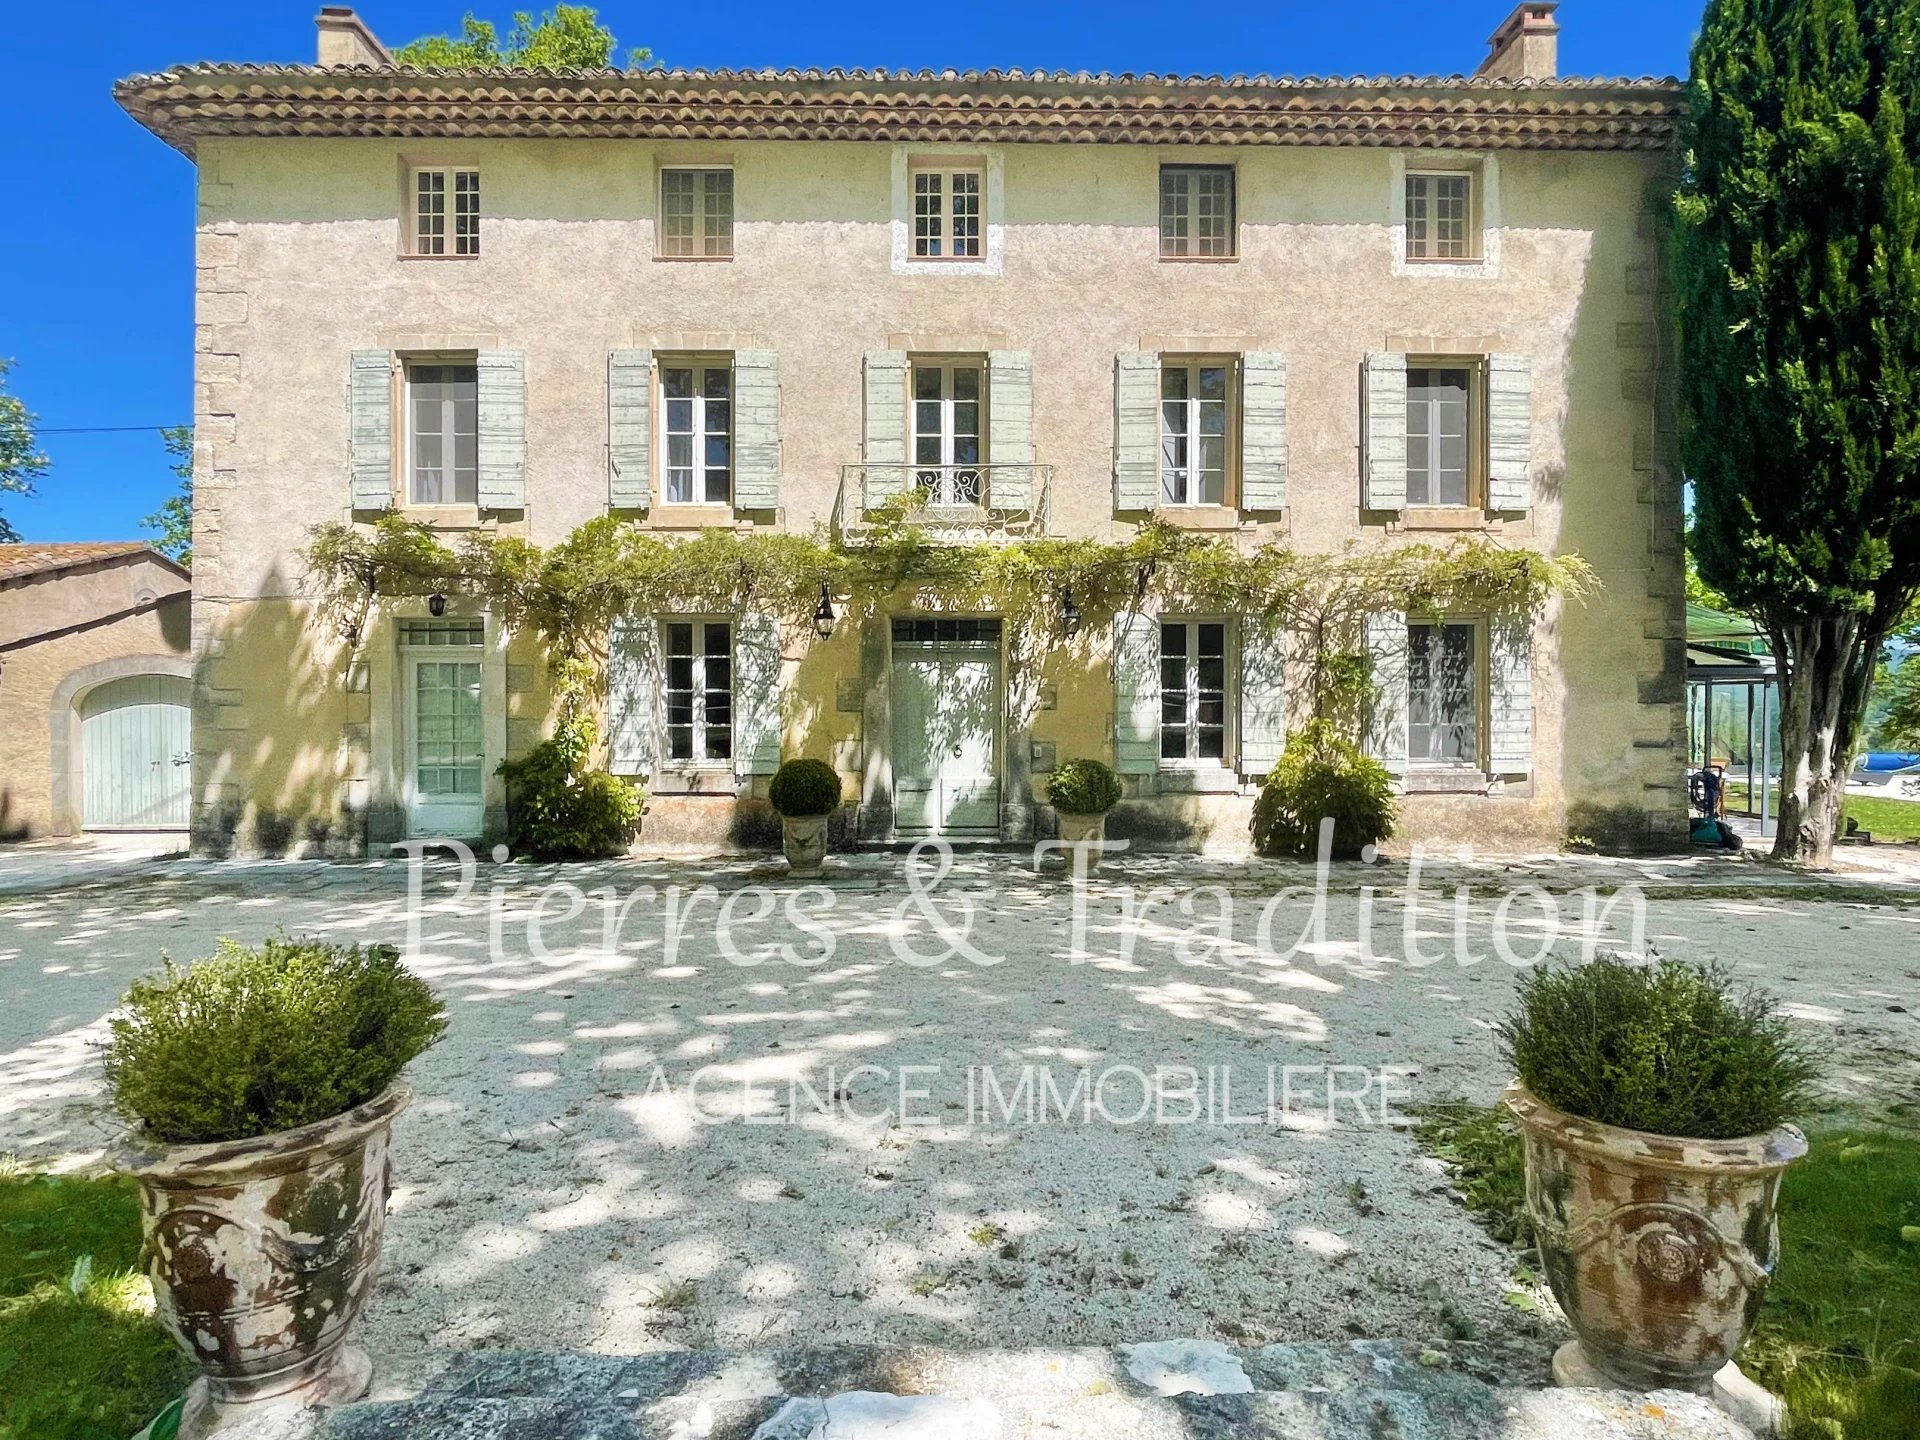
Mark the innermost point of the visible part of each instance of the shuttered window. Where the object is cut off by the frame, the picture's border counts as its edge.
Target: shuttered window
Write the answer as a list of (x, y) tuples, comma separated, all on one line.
[(1444, 686), (696, 214), (699, 690), (1194, 404), (1196, 212), (947, 430), (1193, 691), (696, 407), (446, 212), (1439, 436), (443, 434)]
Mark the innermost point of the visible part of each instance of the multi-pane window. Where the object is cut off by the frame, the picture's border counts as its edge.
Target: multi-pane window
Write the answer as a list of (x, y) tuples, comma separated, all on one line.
[(443, 435), (1439, 435), (697, 415), (946, 214), (446, 212), (699, 655), (696, 214), (1193, 432), (1193, 690), (1443, 705), (1196, 211), (947, 431), (1439, 217)]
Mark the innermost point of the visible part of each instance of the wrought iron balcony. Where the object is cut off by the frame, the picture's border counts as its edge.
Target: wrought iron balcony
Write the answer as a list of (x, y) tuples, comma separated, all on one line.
[(949, 504)]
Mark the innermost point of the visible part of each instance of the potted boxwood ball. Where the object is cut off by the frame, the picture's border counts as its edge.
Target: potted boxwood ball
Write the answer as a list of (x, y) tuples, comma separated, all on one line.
[(1081, 793), (805, 792), (1652, 1101), (261, 1086)]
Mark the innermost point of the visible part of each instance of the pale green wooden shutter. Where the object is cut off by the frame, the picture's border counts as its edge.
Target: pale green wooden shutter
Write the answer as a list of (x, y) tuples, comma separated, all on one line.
[(756, 430), (1386, 438), (884, 438), (502, 392), (756, 695), (370, 428), (1510, 696), (634, 685), (1509, 432), (630, 429), (1387, 650), (1263, 695), (1136, 693), (1010, 429), (1263, 431), (1136, 430)]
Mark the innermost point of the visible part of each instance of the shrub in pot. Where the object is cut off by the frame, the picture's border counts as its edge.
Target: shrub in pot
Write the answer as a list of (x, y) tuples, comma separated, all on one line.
[(261, 1087), (1320, 775), (805, 792), (1652, 1102), (1081, 793)]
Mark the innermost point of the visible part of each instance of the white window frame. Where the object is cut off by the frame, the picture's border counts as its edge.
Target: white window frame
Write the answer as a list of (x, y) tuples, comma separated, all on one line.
[(944, 234), (449, 241), (1190, 689), (910, 160), (1476, 372), (947, 492), (1483, 214), (701, 690), (1185, 246), (703, 246), (1230, 432), (699, 365), (410, 432), (1426, 251), (1480, 678)]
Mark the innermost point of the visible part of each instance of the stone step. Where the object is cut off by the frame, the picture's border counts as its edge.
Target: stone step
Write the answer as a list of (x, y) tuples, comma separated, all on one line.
[(1164, 1390)]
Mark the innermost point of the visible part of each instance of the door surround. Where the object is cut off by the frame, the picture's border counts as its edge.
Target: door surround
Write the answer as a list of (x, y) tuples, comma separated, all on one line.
[(66, 757)]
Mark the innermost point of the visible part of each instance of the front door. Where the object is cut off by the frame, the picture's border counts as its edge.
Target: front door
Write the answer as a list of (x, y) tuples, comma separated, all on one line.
[(946, 727), (446, 747), (137, 753)]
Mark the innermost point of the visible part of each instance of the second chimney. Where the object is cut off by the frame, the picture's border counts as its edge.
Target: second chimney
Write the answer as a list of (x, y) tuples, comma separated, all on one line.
[(1526, 46), (346, 40)]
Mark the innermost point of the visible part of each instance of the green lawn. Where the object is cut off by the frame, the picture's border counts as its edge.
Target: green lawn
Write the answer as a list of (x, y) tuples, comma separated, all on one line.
[(1891, 821), (1839, 1335), (81, 1356)]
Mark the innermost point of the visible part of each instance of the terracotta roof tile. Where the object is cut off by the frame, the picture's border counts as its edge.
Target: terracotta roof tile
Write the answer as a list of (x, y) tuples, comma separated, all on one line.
[(990, 106), (19, 561)]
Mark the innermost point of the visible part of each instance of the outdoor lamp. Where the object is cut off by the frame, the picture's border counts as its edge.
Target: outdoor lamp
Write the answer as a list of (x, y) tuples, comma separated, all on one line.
[(436, 604), (1069, 612), (823, 616)]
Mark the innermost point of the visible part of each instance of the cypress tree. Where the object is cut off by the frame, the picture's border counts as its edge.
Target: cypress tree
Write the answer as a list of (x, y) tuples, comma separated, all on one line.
[(1797, 279)]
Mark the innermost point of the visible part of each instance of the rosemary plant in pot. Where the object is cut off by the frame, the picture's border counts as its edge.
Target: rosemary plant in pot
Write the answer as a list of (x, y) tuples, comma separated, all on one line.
[(1081, 793), (260, 1087), (805, 792), (1653, 1100)]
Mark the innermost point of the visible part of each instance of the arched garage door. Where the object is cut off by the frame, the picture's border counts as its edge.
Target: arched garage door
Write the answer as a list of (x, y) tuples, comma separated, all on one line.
[(136, 752)]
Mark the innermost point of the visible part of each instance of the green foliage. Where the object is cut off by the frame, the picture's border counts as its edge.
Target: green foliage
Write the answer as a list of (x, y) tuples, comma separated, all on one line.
[(1482, 1146), (1669, 1048), (1900, 721), (558, 809), (254, 1041), (21, 462), (567, 37), (1083, 787), (174, 518), (1322, 774), (81, 1356), (805, 787)]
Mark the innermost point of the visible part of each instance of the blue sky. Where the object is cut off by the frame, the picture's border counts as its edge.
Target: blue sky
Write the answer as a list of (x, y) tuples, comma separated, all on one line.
[(96, 270)]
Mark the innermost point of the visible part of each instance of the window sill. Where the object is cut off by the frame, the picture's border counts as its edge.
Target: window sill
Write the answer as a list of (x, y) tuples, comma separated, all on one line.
[(704, 778), (1447, 780), (1202, 778), (444, 517), (1200, 259), (1447, 517), (1199, 517), (689, 517), (1421, 262), (693, 259), (436, 259)]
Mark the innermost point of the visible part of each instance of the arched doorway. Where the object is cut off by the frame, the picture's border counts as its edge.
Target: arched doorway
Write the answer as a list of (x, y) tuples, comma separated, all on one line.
[(136, 753)]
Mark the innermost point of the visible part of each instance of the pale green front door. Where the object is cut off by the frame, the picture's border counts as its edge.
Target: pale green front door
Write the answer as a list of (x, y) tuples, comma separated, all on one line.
[(946, 729), (446, 747), (137, 753)]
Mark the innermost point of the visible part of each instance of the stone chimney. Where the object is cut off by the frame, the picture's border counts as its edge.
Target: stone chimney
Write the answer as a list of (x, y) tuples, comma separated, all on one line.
[(1526, 46), (346, 40)]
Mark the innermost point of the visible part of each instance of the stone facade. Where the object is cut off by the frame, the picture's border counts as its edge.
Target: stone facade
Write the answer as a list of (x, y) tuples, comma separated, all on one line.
[(302, 265)]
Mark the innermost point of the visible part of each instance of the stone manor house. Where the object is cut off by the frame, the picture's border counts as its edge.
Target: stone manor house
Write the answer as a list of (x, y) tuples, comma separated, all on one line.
[(1344, 313)]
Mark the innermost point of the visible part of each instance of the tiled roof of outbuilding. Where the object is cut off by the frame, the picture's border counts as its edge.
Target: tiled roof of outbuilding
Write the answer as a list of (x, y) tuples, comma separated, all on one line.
[(19, 561), (992, 107)]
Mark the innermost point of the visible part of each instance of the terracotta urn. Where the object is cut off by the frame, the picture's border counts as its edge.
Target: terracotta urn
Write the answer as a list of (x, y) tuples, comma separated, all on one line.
[(262, 1252), (803, 838), (1658, 1249), (1084, 828)]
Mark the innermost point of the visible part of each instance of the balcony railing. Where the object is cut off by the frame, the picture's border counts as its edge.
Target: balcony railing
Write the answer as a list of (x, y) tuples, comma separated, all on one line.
[(949, 504)]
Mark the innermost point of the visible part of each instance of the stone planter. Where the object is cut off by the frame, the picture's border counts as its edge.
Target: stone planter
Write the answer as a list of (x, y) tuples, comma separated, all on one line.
[(261, 1253), (803, 839), (1088, 828), (1659, 1249)]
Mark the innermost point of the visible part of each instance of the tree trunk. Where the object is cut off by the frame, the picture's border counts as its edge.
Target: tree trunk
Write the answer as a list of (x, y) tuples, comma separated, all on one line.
[(1817, 662)]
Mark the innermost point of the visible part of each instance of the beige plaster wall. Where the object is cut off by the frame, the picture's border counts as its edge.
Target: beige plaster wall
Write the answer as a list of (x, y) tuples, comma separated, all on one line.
[(299, 265)]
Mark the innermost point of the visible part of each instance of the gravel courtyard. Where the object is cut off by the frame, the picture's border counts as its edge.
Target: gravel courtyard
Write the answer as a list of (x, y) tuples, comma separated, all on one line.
[(664, 1143)]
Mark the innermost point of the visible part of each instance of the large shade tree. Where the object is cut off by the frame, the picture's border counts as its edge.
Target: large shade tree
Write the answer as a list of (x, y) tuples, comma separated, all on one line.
[(1798, 285), (21, 462)]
